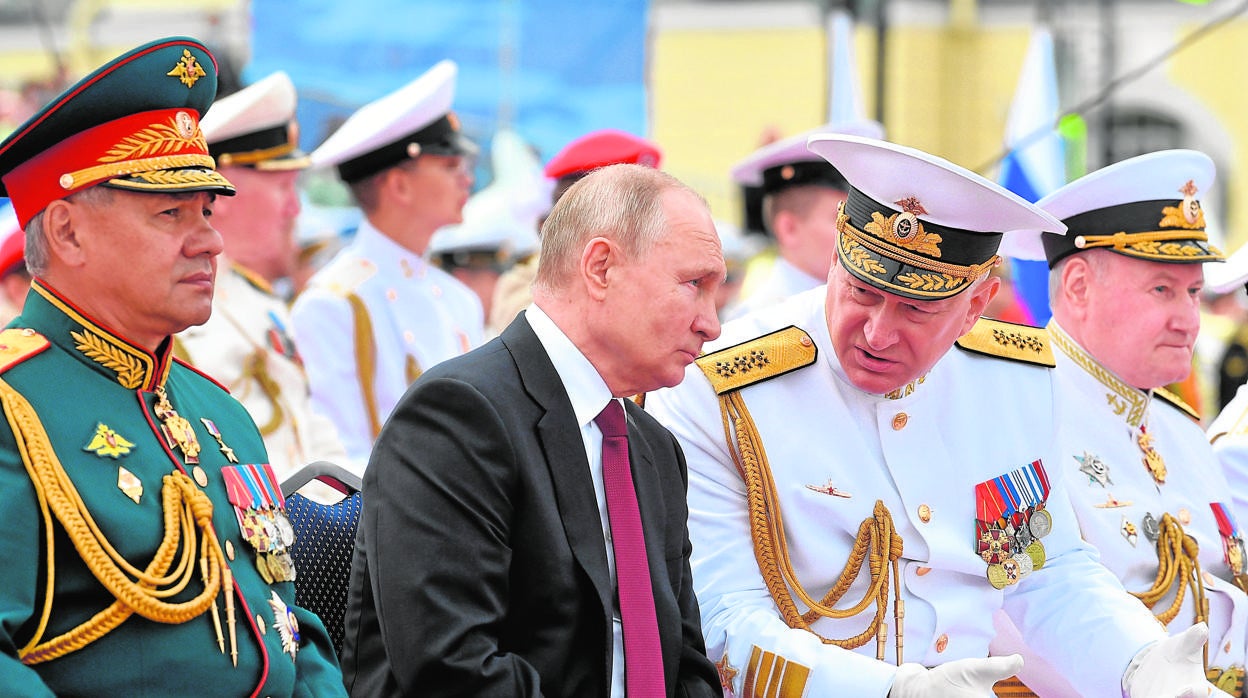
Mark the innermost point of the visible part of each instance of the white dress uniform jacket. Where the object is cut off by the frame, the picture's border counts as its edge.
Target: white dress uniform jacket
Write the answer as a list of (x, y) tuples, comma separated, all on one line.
[(922, 455), (369, 322), (246, 346), (1119, 505), (1229, 435)]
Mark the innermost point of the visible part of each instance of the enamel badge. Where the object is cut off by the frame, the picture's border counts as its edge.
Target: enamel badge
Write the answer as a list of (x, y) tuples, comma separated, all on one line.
[(107, 443)]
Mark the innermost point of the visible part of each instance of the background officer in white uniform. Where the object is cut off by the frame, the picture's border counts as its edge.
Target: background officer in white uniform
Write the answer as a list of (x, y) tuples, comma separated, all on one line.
[(800, 193), (1229, 430), (1126, 283), (845, 465), (247, 344), (378, 314)]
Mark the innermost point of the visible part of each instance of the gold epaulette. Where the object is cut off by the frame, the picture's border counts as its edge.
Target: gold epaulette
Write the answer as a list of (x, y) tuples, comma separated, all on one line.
[(758, 359), (1008, 340), (1173, 399), (17, 345)]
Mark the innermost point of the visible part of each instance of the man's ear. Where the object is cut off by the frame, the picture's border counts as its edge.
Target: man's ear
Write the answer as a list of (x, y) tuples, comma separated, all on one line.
[(784, 227), (60, 228), (599, 256), (980, 298), (1074, 284)]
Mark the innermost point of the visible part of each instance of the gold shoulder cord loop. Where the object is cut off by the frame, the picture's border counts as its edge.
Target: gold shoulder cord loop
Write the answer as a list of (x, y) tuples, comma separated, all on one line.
[(1178, 565), (877, 543), (185, 508), (365, 360), (255, 366)]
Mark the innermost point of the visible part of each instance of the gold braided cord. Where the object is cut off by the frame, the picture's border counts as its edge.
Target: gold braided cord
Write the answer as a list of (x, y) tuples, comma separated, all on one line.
[(1178, 565), (965, 271), (365, 360), (1120, 239), (256, 366), (184, 508), (877, 544), (129, 167)]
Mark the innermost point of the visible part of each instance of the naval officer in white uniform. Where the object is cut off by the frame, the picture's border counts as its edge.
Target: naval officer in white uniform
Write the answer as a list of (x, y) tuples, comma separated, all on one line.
[(378, 314), (800, 195), (247, 344), (1126, 284), (863, 495)]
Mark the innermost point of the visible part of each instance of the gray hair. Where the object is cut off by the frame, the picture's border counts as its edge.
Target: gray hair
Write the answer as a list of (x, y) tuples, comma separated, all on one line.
[(620, 202), (37, 243)]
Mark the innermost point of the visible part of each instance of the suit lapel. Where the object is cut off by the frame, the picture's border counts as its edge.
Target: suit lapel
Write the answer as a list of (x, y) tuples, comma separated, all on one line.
[(560, 438)]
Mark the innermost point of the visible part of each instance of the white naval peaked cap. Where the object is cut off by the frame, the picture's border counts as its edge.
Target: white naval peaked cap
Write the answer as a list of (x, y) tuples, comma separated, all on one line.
[(490, 235), (1145, 207), (256, 126), (918, 225), (788, 162), (1224, 278), (412, 120)]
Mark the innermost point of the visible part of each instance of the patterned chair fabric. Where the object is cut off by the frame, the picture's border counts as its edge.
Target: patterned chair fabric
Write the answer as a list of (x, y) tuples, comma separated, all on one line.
[(324, 542)]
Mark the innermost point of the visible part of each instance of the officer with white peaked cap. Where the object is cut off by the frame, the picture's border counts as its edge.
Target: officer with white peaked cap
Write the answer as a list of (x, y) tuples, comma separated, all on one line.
[(1125, 290), (247, 344), (798, 193), (829, 536), (378, 314), (480, 250)]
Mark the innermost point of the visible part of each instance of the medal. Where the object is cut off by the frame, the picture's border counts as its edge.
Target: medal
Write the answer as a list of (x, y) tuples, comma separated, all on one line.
[(1232, 540), (282, 567), (1152, 530), (286, 624), (997, 576), (1040, 523), (1010, 519), (216, 434), (285, 531), (1153, 461), (1024, 563), (177, 430), (994, 546), (1035, 551)]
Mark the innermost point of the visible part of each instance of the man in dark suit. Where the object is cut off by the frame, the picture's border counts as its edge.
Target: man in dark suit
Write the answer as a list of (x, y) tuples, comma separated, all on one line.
[(488, 552)]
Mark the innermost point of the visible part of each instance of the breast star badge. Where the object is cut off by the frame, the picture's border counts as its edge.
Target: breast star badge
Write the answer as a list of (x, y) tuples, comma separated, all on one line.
[(1095, 468)]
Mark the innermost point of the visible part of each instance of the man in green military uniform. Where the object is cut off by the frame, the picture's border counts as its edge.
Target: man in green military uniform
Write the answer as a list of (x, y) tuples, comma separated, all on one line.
[(145, 547)]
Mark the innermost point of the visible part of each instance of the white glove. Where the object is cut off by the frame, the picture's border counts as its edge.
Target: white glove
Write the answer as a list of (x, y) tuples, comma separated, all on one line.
[(1172, 667), (961, 678)]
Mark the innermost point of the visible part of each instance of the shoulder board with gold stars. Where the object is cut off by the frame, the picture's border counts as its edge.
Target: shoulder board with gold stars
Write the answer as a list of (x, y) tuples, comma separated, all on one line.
[(1176, 401), (1008, 340), (758, 359), (343, 279), (17, 345)]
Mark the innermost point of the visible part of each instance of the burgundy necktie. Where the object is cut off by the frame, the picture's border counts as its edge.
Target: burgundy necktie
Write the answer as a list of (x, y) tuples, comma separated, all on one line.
[(643, 656)]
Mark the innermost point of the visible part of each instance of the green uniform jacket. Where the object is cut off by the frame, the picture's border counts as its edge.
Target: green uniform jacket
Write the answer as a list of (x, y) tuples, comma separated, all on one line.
[(85, 382)]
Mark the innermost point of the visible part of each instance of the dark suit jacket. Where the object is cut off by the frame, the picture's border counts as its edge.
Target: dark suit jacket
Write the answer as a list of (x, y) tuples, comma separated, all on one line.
[(480, 565)]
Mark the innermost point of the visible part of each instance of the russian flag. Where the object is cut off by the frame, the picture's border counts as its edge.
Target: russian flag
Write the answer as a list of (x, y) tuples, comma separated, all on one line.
[(1036, 163)]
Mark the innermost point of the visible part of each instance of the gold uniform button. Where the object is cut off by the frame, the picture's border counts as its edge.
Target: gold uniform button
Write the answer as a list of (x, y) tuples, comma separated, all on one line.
[(201, 477), (1208, 580), (805, 341), (229, 549), (942, 642), (925, 513), (922, 571), (1185, 516), (260, 623), (899, 421)]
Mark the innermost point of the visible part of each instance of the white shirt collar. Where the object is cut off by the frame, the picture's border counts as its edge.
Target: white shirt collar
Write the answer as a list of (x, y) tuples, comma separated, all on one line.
[(586, 389)]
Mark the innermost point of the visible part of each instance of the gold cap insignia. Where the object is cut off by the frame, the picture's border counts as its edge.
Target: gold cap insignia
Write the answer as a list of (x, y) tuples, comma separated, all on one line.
[(188, 70)]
